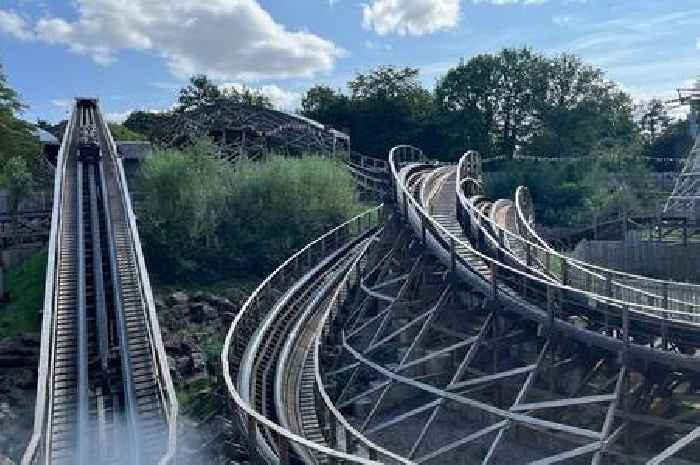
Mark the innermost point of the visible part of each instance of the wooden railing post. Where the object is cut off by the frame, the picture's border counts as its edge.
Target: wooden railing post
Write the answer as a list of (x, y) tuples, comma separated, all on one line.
[(252, 440)]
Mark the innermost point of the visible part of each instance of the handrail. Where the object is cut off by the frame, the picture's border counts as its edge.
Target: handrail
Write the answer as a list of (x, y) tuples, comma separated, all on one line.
[(521, 191), (322, 337), (651, 309), (157, 348), (440, 235), (47, 323), (254, 417)]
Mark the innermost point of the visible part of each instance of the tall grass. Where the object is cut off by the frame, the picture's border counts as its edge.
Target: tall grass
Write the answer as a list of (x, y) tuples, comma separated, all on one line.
[(201, 219)]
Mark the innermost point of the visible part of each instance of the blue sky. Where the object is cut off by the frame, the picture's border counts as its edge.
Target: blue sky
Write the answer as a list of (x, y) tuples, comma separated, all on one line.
[(135, 54)]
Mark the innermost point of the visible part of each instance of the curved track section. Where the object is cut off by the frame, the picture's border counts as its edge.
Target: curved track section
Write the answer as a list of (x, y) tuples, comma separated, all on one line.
[(271, 354), (104, 391), (449, 337)]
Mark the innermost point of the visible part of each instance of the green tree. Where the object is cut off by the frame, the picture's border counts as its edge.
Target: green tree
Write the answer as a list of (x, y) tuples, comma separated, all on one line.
[(389, 106), (329, 106), (18, 183), (122, 133), (15, 135), (654, 120), (200, 91), (246, 96), (144, 122), (466, 101)]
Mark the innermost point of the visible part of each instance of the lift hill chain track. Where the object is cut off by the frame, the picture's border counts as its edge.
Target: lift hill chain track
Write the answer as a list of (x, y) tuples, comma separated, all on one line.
[(104, 391)]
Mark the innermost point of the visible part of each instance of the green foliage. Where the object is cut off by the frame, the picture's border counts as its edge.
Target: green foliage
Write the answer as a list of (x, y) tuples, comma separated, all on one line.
[(122, 133), (202, 219), (16, 139), (202, 91), (17, 180), (144, 122), (387, 106), (571, 194), (25, 284), (514, 101)]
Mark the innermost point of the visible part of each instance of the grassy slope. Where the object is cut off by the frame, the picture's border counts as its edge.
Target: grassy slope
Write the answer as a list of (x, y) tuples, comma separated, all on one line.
[(25, 283)]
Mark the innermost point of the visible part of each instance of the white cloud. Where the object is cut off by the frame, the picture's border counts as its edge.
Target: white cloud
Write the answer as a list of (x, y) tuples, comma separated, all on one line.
[(511, 2), (281, 98), (62, 103), (370, 45), (410, 17), (14, 25), (561, 20), (118, 117), (226, 39)]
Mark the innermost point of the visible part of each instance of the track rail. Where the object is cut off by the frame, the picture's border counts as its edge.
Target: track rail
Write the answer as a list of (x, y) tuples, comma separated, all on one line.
[(104, 393)]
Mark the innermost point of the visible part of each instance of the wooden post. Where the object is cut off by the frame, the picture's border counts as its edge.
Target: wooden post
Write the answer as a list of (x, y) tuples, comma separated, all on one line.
[(283, 446), (2, 282), (453, 257), (252, 440)]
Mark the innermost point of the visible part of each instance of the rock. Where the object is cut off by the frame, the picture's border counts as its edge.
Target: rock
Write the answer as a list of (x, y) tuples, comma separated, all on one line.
[(199, 362), (6, 460), (25, 379), (178, 298), (184, 365), (200, 312), (222, 304)]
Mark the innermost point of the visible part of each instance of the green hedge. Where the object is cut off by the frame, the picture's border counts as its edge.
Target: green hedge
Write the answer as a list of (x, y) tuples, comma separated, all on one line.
[(203, 220)]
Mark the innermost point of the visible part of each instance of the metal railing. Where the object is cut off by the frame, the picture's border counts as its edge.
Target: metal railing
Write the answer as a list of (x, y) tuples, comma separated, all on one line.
[(548, 296), (37, 449), (164, 382), (256, 310)]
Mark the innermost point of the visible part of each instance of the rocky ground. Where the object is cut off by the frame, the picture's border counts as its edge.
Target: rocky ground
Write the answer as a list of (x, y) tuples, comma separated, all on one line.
[(194, 326), (19, 358)]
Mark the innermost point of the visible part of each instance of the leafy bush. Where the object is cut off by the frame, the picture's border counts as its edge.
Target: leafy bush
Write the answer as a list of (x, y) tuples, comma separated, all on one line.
[(203, 220), (25, 285), (122, 133), (571, 194)]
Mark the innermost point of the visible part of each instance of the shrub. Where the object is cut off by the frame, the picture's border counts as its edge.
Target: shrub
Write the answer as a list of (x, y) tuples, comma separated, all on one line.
[(570, 194), (203, 220)]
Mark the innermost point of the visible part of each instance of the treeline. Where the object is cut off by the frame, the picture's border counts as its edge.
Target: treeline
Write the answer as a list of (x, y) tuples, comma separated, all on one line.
[(513, 102), (18, 147)]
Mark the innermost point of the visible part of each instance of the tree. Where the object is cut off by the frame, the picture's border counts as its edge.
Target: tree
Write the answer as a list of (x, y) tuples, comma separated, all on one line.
[(388, 106), (329, 106), (200, 91), (15, 134), (246, 96), (18, 182), (144, 122), (654, 119), (467, 101)]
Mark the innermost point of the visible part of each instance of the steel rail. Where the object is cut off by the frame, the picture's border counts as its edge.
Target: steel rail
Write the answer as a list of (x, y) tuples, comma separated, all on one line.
[(439, 239), (48, 324), (322, 338), (158, 355), (276, 316), (245, 409), (535, 238), (571, 264), (650, 310), (300, 338)]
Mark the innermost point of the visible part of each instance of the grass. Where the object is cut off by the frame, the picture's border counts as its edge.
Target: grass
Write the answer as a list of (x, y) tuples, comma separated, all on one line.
[(25, 284)]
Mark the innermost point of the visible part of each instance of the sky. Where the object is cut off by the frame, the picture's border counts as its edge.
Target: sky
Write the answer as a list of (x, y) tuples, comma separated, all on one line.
[(136, 54)]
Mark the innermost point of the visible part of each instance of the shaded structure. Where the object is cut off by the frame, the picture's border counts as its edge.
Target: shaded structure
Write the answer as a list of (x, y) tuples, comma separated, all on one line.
[(249, 131)]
